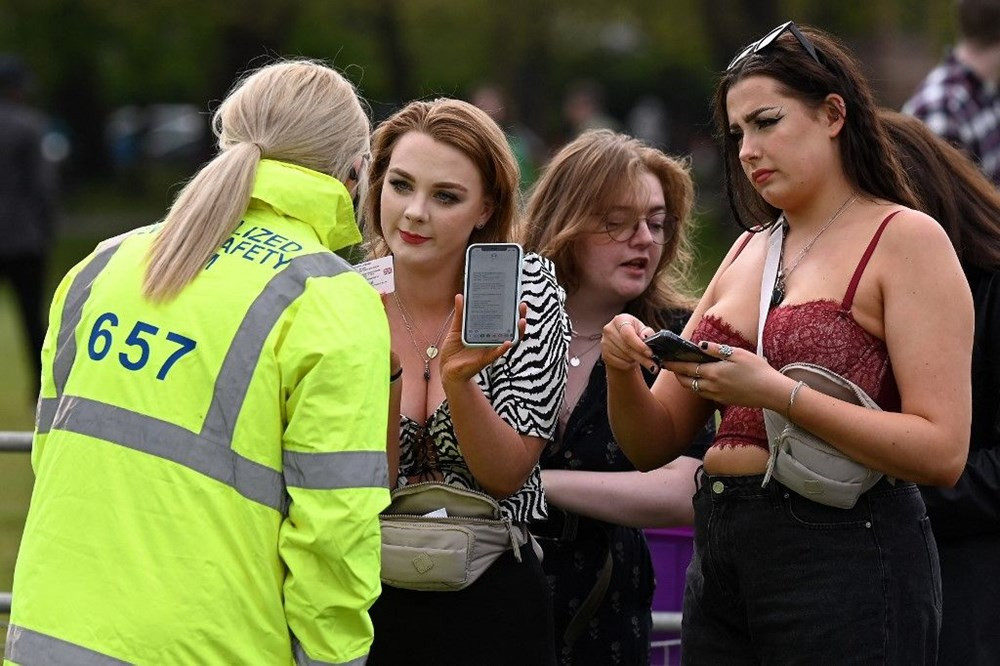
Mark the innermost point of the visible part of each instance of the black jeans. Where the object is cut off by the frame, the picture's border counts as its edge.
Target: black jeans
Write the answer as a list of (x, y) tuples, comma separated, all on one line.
[(779, 579)]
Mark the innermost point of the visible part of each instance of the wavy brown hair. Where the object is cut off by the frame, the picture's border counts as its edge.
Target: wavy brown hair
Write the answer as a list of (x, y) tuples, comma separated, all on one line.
[(472, 132), (866, 154), (582, 183), (951, 189)]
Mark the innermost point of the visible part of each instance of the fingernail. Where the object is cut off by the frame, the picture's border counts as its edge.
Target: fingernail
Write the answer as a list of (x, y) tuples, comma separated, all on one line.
[(703, 344)]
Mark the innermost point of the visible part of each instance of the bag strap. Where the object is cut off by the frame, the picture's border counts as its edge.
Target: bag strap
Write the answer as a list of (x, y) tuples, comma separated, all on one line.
[(767, 278), (590, 605)]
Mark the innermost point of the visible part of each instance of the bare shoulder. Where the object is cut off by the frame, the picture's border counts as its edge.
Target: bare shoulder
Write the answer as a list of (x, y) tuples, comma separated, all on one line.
[(914, 240), (747, 241), (912, 229)]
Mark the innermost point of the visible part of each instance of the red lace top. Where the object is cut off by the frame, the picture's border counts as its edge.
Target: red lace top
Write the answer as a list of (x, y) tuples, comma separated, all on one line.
[(823, 332)]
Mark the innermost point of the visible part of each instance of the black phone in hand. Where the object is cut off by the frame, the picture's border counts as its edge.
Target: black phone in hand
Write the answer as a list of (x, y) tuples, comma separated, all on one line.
[(668, 346)]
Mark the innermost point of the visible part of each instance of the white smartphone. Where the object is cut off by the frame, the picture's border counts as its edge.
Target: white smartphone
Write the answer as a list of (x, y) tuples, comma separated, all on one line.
[(492, 294)]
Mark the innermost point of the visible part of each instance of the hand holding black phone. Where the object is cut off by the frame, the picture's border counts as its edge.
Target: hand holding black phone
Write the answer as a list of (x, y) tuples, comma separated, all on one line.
[(668, 346)]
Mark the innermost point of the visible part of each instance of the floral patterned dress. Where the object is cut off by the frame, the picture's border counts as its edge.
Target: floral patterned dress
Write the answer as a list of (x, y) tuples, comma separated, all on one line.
[(577, 549)]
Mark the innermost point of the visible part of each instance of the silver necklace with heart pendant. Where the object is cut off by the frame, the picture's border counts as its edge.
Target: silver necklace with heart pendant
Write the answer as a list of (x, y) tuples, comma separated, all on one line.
[(432, 349)]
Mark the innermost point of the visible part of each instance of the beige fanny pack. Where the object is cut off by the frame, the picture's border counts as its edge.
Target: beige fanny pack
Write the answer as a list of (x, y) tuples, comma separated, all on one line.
[(444, 553), (807, 464)]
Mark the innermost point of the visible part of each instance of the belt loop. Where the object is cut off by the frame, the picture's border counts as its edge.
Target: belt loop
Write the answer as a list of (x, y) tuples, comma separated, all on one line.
[(699, 474)]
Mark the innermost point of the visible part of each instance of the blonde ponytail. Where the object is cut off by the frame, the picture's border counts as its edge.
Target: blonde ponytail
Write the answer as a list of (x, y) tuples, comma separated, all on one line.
[(300, 112), (204, 214)]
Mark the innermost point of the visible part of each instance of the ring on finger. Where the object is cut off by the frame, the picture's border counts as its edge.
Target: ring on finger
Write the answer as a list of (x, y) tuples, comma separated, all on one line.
[(623, 324), (725, 351), (697, 371), (694, 385)]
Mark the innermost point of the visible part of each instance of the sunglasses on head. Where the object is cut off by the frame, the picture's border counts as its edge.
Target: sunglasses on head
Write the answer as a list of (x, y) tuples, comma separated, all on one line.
[(769, 38)]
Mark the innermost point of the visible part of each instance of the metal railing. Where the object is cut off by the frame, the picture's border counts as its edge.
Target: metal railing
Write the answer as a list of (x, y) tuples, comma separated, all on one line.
[(666, 622), (13, 441), (17, 442)]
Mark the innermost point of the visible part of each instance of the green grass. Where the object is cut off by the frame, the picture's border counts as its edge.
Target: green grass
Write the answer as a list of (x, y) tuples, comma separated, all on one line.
[(16, 408)]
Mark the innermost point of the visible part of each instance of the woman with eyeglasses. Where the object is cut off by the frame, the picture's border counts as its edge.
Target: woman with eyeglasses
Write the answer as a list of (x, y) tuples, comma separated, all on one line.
[(866, 287), (614, 216)]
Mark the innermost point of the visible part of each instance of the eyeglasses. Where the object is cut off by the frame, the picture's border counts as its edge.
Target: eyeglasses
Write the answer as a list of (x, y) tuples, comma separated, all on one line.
[(770, 38), (661, 226)]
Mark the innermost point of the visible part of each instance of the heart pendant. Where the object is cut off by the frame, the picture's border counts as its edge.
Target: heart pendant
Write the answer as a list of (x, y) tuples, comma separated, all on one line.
[(431, 351)]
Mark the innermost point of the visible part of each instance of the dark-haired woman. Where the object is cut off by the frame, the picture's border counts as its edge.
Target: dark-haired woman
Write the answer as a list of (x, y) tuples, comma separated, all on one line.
[(868, 288), (966, 518)]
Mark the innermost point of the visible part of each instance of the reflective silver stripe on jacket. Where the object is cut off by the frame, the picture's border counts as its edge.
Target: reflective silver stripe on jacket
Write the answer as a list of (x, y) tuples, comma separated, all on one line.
[(78, 294), (244, 351), (171, 442), (209, 452), (31, 648), (339, 469), (302, 659)]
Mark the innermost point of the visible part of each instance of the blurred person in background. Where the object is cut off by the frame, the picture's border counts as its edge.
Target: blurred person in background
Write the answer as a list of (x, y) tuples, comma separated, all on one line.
[(210, 445), (867, 287), (27, 202), (960, 99), (583, 108), (524, 143), (614, 216), (966, 518), (477, 418)]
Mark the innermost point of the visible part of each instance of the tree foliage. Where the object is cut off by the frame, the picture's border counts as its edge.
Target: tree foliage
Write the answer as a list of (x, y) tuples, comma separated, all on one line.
[(91, 56)]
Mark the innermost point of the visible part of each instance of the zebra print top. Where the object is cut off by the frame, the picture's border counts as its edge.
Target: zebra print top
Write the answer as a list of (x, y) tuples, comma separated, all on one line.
[(525, 387)]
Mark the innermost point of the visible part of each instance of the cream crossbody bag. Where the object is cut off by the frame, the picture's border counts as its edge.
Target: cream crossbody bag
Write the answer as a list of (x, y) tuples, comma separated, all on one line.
[(798, 459), (422, 552)]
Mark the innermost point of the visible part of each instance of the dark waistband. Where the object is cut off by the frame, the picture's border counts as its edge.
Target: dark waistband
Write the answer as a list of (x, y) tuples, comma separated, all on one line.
[(723, 487)]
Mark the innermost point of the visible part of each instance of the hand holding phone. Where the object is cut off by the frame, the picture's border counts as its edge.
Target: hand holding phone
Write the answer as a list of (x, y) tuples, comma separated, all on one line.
[(668, 346), (490, 310)]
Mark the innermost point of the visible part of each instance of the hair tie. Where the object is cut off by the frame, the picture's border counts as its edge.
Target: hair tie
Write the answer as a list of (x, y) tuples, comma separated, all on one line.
[(259, 148)]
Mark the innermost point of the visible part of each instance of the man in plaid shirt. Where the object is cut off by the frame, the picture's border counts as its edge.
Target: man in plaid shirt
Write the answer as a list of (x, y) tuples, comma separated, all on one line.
[(959, 99)]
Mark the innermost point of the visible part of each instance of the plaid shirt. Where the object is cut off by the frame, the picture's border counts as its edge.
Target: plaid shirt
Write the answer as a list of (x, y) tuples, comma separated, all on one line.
[(963, 109)]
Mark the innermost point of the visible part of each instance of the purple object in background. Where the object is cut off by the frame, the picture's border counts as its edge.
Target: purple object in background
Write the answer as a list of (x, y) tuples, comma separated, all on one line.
[(671, 550)]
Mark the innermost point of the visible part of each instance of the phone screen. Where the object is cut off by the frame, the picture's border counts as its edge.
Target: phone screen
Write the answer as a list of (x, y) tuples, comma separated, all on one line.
[(492, 290)]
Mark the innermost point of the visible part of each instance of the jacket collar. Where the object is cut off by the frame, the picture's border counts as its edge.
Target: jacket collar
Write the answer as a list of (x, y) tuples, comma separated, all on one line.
[(318, 200)]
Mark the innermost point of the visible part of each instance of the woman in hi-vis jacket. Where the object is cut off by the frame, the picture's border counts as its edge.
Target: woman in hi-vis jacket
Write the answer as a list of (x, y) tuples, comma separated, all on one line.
[(210, 444)]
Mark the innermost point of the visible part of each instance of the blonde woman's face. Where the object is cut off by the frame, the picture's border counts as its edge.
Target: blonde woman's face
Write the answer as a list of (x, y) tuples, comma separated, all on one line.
[(432, 200), (619, 271)]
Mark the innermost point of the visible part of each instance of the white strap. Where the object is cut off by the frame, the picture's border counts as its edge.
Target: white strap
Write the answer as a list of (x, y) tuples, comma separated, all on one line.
[(767, 279)]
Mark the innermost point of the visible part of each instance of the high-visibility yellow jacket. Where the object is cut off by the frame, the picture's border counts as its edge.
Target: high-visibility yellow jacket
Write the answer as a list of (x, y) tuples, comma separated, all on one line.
[(209, 471)]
